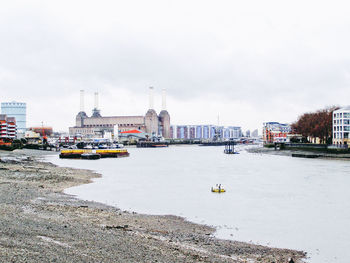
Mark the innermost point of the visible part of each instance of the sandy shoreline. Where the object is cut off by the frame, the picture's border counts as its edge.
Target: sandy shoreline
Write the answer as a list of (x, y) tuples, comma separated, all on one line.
[(39, 223)]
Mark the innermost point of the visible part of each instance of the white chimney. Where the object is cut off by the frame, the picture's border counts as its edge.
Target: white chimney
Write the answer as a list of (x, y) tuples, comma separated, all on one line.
[(81, 100), (96, 100), (163, 99), (151, 97)]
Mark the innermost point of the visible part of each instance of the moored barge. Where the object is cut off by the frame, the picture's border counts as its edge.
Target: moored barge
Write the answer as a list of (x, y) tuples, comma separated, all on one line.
[(148, 144), (98, 153)]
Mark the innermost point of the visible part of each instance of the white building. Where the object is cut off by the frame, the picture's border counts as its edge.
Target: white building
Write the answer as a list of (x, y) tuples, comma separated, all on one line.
[(341, 126), (204, 132)]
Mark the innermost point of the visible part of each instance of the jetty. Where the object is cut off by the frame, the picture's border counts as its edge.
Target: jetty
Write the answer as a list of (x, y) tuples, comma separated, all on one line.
[(230, 147)]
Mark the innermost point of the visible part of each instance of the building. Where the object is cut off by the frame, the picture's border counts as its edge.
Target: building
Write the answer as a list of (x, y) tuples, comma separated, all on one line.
[(204, 132), (150, 123), (42, 131), (275, 132), (8, 128), (341, 126), (17, 110), (255, 133)]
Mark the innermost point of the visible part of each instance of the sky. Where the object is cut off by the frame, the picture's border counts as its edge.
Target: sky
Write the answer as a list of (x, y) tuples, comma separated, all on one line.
[(245, 61)]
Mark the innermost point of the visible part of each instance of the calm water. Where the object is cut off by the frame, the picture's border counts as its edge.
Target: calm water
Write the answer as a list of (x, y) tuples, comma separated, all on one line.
[(270, 200)]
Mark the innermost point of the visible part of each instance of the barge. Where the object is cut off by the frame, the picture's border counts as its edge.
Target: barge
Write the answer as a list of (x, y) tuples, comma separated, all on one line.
[(93, 154), (147, 144)]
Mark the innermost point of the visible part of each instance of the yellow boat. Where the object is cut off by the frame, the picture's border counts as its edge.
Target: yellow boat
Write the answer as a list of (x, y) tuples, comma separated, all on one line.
[(103, 153), (218, 190)]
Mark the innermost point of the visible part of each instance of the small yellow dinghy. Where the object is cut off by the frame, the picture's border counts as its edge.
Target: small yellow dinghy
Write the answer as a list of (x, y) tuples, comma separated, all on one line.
[(218, 189)]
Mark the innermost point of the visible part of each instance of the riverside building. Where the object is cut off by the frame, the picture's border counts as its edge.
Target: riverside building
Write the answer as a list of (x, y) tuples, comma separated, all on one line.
[(96, 124), (8, 127), (341, 126), (275, 131), (193, 132), (17, 110)]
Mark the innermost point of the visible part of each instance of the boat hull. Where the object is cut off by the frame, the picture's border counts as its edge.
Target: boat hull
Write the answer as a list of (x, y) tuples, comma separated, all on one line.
[(92, 154)]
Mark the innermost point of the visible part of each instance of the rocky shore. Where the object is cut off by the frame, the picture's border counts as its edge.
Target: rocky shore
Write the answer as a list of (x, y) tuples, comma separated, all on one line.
[(39, 223)]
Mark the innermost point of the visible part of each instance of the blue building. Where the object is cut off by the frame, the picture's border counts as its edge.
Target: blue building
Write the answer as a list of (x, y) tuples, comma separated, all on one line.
[(17, 110)]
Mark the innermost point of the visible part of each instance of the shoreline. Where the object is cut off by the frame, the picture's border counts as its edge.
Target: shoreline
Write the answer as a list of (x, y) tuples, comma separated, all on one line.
[(38, 222), (305, 154)]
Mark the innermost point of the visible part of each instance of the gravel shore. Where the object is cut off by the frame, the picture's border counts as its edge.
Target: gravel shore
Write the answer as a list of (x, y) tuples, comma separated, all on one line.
[(39, 223)]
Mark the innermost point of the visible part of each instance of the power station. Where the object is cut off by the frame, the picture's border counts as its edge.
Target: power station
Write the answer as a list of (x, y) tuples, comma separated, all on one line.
[(151, 123)]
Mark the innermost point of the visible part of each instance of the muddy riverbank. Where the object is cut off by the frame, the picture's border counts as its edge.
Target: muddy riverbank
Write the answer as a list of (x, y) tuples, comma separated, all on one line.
[(39, 223), (299, 153)]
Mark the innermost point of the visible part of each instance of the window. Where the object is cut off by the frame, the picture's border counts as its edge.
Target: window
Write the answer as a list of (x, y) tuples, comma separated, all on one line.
[(346, 121)]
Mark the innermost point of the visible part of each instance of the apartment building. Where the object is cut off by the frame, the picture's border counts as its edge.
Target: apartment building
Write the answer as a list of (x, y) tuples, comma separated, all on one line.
[(204, 132), (8, 128), (275, 132), (341, 126)]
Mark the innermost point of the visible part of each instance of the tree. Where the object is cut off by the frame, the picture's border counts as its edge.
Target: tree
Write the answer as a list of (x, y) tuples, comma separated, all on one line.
[(316, 124)]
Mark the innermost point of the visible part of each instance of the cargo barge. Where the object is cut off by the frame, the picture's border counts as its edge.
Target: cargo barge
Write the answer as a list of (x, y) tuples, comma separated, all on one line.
[(214, 143), (152, 144), (93, 154)]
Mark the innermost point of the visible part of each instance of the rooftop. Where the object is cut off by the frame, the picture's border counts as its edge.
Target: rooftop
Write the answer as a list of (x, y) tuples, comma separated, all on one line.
[(346, 108)]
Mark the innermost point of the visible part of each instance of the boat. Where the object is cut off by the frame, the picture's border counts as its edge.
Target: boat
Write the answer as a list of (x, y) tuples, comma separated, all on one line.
[(149, 144), (92, 153), (218, 189), (6, 144), (113, 153), (214, 143), (90, 156)]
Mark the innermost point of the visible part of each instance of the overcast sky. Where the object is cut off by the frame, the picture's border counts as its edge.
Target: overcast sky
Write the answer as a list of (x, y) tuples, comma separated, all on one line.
[(246, 61)]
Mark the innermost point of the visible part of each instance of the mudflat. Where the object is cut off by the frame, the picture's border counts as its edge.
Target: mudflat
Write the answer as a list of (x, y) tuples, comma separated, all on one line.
[(39, 223)]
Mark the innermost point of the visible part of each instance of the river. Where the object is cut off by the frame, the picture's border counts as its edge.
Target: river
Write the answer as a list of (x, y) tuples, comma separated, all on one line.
[(271, 200)]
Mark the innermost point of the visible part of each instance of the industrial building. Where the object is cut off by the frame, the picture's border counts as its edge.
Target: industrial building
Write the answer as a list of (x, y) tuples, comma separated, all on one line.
[(150, 123), (204, 132), (17, 110), (8, 127), (341, 126)]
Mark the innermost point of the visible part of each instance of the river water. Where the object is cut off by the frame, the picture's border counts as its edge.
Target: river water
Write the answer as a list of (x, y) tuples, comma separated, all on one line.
[(271, 200)]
